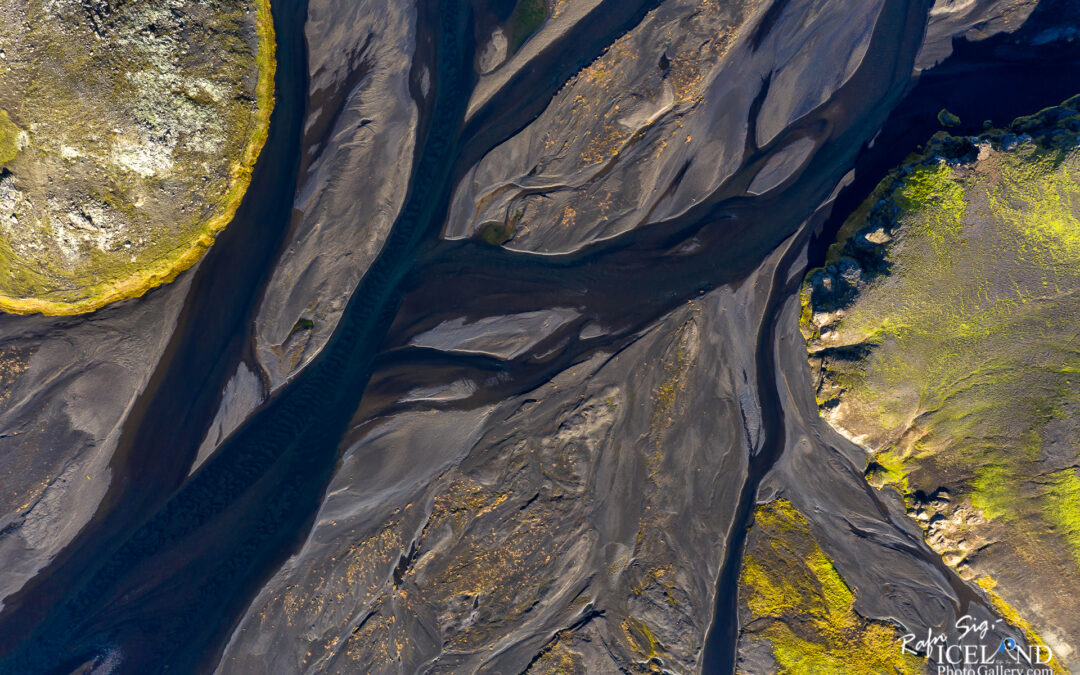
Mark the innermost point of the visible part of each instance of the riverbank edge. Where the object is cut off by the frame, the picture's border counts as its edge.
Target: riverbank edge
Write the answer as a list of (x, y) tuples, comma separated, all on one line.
[(1052, 127)]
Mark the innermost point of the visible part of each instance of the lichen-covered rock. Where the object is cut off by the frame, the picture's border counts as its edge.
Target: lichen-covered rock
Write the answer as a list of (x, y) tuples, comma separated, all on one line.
[(128, 131)]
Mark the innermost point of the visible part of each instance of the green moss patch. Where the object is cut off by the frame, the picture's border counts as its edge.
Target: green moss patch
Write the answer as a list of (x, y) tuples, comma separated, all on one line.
[(9, 138), (799, 603), (526, 19), (1062, 507)]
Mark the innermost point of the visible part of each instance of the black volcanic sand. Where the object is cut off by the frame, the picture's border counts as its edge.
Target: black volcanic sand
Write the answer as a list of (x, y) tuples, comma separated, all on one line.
[(167, 566)]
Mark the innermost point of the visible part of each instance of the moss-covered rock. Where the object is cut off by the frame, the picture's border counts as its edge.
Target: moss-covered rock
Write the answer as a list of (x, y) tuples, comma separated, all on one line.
[(127, 139), (948, 119)]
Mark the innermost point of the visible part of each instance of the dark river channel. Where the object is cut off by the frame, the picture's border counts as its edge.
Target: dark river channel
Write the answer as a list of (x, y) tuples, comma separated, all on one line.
[(169, 562)]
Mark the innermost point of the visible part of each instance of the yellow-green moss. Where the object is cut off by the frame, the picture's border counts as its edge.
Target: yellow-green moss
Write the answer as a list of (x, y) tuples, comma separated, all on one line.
[(792, 586), (971, 330), (9, 138), (933, 190), (877, 653), (888, 469), (1062, 508), (641, 639), (806, 315), (992, 491)]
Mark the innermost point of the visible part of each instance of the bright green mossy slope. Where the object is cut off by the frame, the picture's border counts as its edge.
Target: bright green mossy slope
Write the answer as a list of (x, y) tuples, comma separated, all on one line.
[(975, 333), (945, 336), (800, 604)]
